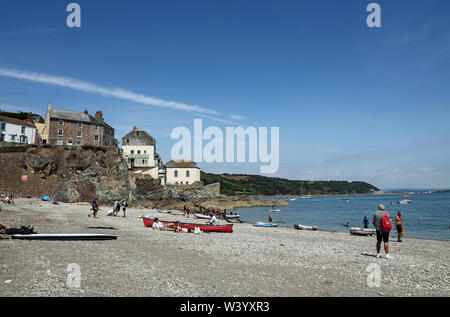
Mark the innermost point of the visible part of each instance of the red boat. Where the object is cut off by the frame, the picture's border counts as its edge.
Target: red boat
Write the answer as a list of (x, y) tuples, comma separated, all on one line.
[(203, 227)]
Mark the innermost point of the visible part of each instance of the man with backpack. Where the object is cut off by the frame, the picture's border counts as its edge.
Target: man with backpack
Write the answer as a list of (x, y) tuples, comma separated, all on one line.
[(383, 226)]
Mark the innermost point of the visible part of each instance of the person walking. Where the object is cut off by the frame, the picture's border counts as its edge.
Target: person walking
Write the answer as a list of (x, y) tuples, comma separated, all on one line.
[(382, 224), (399, 226), (270, 218), (94, 208), (124, 207)]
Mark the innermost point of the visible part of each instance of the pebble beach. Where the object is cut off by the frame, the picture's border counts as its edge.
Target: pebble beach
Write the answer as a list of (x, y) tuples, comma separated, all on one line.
[(250, 262)]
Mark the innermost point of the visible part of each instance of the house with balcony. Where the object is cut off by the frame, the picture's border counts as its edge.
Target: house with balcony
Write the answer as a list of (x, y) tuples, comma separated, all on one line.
[(139, 150)]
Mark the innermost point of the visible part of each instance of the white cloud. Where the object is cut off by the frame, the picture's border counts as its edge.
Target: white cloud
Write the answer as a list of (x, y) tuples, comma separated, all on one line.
[(236, 117), (107, 92), (427, 169)]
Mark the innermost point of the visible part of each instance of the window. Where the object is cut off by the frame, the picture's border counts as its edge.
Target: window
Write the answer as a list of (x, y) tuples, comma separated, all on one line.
[(69, 142), (13, 137), (145, 152), (59, 142), (188, 174), (79, 134), (96, 138), (60, 122), (96, 127), (60, 132), (3, 126), (23, 139), (139, 152), (23, 130), (175, 173), (80, 124), (78, 143), (2, 137), (132, 151)]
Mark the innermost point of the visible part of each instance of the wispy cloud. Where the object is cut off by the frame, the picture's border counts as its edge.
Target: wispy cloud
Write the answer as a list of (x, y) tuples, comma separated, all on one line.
[(119, 93), (236, 117)]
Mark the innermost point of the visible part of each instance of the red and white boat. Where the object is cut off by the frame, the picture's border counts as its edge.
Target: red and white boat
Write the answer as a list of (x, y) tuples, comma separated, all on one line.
[(203, 227)]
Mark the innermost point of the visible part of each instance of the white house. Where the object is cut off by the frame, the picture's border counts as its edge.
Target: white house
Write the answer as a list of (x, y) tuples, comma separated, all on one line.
[(182, 172), (139, 150), (17, 131)]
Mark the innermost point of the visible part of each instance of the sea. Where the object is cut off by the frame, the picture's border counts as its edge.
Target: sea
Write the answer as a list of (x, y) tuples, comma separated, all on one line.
[(427, 217)]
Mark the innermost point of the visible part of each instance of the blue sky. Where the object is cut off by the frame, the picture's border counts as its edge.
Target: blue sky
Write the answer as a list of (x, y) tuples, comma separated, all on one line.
[(352, 103)]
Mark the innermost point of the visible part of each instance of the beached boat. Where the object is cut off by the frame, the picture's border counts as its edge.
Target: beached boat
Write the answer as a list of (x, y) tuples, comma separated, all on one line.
[(64, 236), (200, 216), (176, 212), (362, 232), (233, 218), (404, 202), (266, 225), (203, 227), (302, 227)]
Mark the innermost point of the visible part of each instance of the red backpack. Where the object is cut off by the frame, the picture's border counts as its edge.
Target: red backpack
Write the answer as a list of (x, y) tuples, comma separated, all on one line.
[(386, 225)]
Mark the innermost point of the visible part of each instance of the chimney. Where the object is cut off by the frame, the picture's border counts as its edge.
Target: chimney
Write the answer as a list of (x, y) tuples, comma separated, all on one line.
[(49, 106), (134, 128), (99, 116), (86, 111), (30, 118)]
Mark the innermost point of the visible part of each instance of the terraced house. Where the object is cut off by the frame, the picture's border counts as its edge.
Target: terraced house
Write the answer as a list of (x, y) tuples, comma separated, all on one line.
[(64, 127)]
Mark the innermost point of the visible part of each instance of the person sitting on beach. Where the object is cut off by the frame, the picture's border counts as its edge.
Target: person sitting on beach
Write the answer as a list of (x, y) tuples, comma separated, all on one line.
[(157, 225), (94, 208), (116, 208), (212, 221), (178, 229)]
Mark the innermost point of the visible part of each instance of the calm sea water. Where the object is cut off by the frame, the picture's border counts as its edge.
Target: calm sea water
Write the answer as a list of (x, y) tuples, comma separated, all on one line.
[(428, 216)]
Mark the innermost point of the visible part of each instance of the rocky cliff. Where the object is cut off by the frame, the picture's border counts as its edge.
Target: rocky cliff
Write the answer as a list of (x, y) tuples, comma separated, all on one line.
[(67, 174)]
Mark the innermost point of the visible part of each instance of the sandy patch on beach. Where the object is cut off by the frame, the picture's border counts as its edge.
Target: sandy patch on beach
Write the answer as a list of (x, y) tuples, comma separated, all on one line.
[(248, 262)]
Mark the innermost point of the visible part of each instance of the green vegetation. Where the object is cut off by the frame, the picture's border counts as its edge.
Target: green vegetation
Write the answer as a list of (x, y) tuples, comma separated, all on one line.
[(232, 185)]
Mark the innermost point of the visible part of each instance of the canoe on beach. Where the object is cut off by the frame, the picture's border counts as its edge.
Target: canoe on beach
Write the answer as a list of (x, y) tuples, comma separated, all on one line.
[(64, 236), (203, 227), (302, 227), (362, 232)]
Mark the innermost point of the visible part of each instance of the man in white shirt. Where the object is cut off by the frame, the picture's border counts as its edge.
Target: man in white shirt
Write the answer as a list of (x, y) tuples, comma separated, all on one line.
[(157, 224), (213, 220)]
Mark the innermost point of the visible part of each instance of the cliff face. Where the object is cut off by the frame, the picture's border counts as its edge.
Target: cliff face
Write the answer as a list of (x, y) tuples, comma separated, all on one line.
[(67, 174)]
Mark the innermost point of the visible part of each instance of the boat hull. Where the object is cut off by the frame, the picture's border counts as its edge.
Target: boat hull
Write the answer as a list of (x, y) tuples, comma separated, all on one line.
[(206, 228), (362, 232), (302, 227), (64, 237)]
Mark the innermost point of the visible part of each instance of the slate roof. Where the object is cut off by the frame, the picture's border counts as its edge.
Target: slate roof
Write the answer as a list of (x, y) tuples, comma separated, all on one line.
[(17, 121), (75, 116), (181, 164)]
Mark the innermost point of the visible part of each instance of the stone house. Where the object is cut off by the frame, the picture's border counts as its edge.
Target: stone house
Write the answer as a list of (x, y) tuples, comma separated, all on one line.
[(64, 127)]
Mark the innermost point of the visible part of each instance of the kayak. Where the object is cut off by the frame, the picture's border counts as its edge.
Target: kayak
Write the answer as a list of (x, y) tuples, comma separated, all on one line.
[(362, 232), (266, 225), (64, 236), (302, 227), (203, 227)]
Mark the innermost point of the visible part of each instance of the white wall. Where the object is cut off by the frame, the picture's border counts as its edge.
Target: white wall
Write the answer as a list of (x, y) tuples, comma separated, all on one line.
[(150, 151), (16, 129), (194, 175)]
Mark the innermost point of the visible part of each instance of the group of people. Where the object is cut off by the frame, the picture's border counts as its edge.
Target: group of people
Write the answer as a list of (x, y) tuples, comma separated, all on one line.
[(8, 199), (222, 214), (383, 226), (114, 212)]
